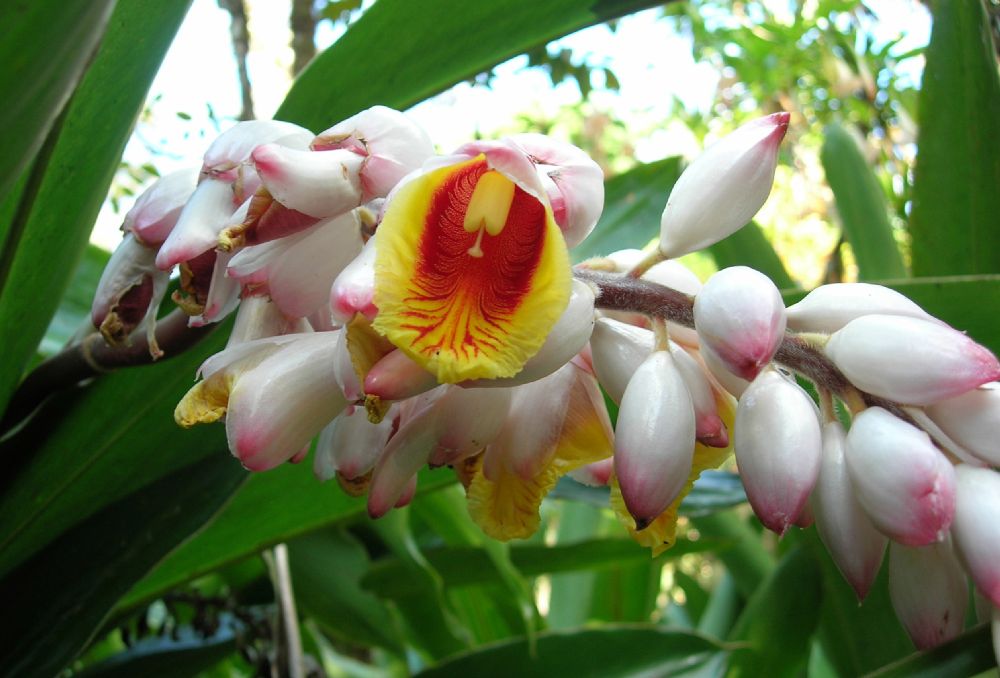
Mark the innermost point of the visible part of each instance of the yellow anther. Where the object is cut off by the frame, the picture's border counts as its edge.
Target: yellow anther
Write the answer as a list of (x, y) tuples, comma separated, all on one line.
[(490, 204)]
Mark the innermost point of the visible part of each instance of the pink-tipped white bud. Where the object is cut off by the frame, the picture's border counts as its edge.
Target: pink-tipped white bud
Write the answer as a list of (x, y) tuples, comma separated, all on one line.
[(855, 545), (354, 286), (734, 385), (573, 182), (723, 188), (320, 184), (408, 450), (223, 293), (198, 226), (278, 406), (299, 269), (778, 445), (740, 316), (910, 360), (350, 444), (928, 591), (975, 530), (654, 438), (397, 377), (597, 474), (232, 148), (905, 485), (972, 420), (829, 307), (567, 337), (155, 212), (709, 427), (617, 350), (391, 144)]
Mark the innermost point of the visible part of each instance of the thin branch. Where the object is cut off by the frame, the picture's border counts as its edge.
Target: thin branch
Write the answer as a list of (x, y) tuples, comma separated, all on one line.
[(93, 356), (303, 24), (289, 641)]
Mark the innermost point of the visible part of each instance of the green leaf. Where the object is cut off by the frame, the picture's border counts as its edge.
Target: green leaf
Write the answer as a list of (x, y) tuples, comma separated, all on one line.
[(846, 627), (181, 654), (633, 203), (74, 307), (969, 654), (860, 206), (779, 620), (608, 652), (243, 528), (571, 592), (955, 198), (423, 49), (57, 599), (466, 565), (722, 608), (326, 571), (101, 450), (45, 242), (45, 49), (750, 247), (747, 561)]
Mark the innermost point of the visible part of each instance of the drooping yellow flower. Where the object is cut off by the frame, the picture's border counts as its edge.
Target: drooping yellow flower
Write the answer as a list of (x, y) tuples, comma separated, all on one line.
[(661, 533), (530, 456), (471, 268)]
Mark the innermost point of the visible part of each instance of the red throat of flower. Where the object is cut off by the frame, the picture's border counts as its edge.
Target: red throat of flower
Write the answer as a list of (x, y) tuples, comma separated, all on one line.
[(471, 272)]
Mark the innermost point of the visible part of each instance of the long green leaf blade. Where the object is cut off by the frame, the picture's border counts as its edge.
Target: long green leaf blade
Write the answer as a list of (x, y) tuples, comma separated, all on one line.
[(860, 206), (45, 47), (955, 198), (97, 124), (56, 600)]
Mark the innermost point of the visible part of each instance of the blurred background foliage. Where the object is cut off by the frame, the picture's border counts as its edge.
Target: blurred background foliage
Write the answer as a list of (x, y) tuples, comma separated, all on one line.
[(128, 547)]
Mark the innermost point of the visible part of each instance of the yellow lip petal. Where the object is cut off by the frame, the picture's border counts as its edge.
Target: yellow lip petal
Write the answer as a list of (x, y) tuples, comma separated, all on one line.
[(471, 272)]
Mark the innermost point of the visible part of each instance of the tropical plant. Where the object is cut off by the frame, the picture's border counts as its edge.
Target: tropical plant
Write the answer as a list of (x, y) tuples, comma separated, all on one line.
[(132, 546)]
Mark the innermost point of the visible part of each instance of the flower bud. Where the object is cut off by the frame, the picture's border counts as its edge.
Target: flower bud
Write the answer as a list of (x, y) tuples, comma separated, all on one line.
[(654, 438), (597, 474), (778, 443), (853, 542), (617, 350), (390, 143), (198, 226), (972, 420), (298, 270), (829, 307), (354, 286), (740, 316), (397, 377), (231, 149), (977, 515), (129, 294), (910, 360), (405, 454), (905, 485), (317, 183), (223, 293), (350, 444), (928, 591), (726, 379), (573, 182), (709, 427), (723, 188), (155, 212)]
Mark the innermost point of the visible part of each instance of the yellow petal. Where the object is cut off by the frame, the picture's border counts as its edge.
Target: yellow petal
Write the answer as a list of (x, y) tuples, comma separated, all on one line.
[(206, 401), (366, 347), (471, 272), (661, 534), (507, 507)]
